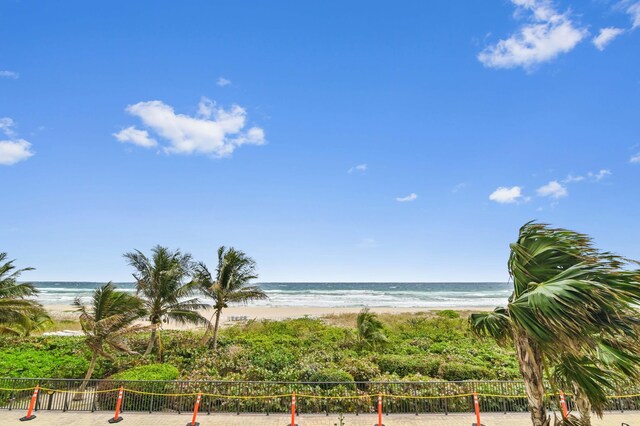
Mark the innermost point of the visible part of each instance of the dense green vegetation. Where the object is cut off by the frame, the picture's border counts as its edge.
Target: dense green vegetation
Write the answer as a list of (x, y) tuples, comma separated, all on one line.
[(419, 347), (149, 372)]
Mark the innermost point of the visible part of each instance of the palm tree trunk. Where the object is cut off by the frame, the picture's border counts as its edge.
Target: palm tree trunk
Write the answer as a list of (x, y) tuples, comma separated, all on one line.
[(208, 329), (83, 386), (152, 340), (530, 360), (583, 404), (215, 329)]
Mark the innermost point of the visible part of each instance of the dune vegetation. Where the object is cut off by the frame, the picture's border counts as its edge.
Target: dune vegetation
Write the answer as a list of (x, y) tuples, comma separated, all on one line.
[(425, 346)]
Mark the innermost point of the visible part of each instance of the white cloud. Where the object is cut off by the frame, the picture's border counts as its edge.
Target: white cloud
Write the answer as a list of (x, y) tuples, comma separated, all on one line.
[(223, 82), (206, 107), (136, 137), (214, 131), (359, 168), (572, 179), (635, 158), (606, 36), (553, 189), (6, 126), (595, 177), (504, 195), (459, 187), (13, 151), (9, 74), (411, 197), (548, 35), (634, 12), (600, 175)]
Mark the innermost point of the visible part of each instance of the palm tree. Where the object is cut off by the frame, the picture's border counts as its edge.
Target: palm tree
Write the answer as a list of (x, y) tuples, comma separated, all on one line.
[(233, 275), (369, 329), (15, 305), (35, 320), (590, 375), (106, 321), (570, 302), (160, 282)]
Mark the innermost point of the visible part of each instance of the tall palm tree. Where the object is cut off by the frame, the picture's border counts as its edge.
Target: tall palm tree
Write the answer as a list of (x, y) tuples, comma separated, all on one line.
[(231, 284), (15, 305), (570, 301), (105, 322), (369, 329), (161, 283)]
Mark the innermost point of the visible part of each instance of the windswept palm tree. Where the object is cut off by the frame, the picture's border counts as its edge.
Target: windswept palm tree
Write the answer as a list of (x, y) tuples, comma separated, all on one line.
[(572, 308), (231, 284), (161, 283), (369, 329), (33, 321), (613, 362), (105, 322), (15, 305)]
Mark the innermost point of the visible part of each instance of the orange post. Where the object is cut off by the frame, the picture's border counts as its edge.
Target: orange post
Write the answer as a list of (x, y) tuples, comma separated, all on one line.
[(117, 418), (563, 405), (379, 410), (476, 405), (293, 410), (32, 405), (195, 411)]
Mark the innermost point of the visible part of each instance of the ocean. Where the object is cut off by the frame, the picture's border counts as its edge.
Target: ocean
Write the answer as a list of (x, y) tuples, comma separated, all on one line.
[(399, 295)]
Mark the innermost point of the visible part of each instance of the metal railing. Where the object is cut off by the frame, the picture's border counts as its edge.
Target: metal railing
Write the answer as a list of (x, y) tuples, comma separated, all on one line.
[(275, 397)]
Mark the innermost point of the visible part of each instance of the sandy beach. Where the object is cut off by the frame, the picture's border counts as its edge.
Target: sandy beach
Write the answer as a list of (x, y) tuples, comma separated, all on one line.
[(240, 313)]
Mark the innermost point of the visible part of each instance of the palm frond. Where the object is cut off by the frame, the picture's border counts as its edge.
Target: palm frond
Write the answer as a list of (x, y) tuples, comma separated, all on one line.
[(495, 324)]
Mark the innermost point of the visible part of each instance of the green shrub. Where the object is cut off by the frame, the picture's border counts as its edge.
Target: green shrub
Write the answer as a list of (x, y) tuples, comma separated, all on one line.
[(448, 313), (331, 375), (148, 372), (404, 365), (137, 401), (361, 369), (458, 371), (439, 347), (45, 357)]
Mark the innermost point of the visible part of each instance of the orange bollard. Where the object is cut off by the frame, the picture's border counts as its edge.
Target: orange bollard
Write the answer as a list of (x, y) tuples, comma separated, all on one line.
[(379, 410), (476, 405), (195, 411), (293, 410), (563, 404), (117, 418), (32, 405)]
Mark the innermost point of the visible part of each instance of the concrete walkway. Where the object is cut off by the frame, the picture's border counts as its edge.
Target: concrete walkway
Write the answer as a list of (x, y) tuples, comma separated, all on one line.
[(57, 418)]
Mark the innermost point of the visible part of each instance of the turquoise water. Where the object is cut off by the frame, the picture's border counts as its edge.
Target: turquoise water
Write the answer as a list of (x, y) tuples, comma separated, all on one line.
[(400, 295)]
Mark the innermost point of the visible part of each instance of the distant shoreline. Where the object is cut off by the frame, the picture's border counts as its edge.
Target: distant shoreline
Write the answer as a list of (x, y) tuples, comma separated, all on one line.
[(235, 314)]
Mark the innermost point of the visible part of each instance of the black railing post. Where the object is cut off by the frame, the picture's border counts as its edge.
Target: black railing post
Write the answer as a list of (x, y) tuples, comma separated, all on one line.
[(504, 400), (50, 401), (237, 400), (446, 400)]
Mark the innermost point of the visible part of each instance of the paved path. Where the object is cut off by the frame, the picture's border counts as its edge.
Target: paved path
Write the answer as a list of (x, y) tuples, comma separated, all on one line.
[(57, 418)]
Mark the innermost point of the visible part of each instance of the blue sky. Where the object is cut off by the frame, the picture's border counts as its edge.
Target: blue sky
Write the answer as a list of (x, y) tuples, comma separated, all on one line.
[(331, 141)]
